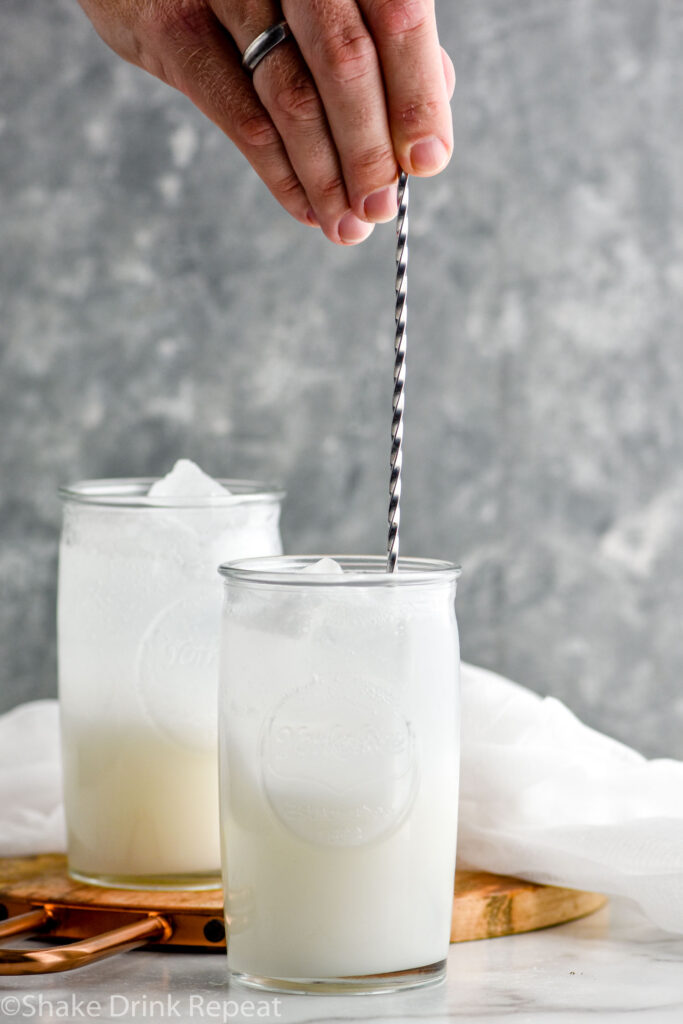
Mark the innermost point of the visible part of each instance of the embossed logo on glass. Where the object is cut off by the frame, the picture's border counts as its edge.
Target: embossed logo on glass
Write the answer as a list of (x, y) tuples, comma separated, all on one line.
[(339, 764), (176, 672)]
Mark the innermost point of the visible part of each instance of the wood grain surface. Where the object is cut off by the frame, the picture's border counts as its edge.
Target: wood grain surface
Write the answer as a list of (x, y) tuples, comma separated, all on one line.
[(486, 906)]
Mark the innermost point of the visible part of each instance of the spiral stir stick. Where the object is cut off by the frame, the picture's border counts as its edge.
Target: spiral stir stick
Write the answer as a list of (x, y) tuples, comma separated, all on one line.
[(398, 401)]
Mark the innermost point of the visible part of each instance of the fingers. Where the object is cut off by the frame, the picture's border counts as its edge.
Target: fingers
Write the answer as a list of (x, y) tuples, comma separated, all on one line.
[(289, 94), (327, 112), (338, 48), (406, 38), (449, 73), (197, 57)]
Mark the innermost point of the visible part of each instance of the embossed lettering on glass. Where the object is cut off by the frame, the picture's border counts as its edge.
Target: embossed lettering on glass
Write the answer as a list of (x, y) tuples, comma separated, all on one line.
[(338, 738), (139, 617)]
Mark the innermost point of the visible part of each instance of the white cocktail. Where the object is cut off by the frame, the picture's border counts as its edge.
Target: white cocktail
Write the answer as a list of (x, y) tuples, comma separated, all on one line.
[(139, 616), (339, 771)]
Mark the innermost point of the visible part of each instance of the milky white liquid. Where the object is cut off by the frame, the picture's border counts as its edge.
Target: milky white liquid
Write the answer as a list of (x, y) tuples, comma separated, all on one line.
[(139, 612), (338, 783), (138, 808)]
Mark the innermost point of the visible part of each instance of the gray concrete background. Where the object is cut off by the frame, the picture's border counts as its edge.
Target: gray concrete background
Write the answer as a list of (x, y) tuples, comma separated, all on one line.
[(154, 301)]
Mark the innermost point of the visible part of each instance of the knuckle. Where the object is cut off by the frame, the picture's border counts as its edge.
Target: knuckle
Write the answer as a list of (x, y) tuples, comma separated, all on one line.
[(418, 113), (287, 188), (178, 22), (377, 163), (402, 18), (349, 56), (297, 99), (331, 189), (256, 130)]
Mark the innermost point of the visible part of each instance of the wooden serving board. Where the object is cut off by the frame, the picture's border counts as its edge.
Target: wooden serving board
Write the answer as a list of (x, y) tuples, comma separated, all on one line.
[(484, 905)]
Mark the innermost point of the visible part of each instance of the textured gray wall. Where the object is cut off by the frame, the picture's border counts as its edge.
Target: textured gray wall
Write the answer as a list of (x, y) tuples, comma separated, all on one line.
[(155, 301)]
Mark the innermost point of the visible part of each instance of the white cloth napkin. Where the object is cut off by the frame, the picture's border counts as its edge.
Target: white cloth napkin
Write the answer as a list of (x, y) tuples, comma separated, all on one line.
[(543, 797), (31, 812)]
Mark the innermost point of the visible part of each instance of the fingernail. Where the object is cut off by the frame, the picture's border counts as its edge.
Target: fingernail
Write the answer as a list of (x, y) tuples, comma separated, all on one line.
[(311, 218), (353, 230), (428, 156), (382, 204)]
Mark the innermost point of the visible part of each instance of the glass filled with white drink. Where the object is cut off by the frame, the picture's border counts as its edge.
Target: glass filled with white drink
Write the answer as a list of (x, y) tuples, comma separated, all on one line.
[(339, 751), (138, 629)]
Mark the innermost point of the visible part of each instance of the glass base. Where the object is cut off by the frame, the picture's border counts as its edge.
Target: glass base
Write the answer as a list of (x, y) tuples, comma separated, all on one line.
[(367, 984), (150, 883)]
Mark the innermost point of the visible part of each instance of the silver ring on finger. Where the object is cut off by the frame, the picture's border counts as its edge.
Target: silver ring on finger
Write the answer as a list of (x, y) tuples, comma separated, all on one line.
[(263, 44)]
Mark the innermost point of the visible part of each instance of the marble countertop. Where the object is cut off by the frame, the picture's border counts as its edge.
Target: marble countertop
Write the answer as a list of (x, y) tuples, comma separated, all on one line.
[(612, 966)]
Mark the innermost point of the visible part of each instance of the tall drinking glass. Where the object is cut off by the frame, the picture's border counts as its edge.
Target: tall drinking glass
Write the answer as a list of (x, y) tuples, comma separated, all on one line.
[(338, 739), (138, 626)]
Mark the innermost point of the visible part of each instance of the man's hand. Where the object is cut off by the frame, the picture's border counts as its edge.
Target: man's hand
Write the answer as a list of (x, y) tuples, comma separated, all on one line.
[(361, 87)]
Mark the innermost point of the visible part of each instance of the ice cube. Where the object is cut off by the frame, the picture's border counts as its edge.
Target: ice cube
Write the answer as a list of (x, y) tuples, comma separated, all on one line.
[(324, 566), (294, 614), (186, 480)]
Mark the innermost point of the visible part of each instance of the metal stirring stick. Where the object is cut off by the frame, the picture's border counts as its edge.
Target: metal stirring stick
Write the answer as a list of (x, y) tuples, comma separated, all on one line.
[(398, 401)]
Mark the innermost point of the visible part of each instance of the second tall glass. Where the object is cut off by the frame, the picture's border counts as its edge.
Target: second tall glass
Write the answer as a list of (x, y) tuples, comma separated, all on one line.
[(139, 613)]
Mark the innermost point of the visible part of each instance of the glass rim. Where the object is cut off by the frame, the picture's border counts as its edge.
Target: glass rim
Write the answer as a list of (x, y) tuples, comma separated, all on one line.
[(132, 492), (360, 571)]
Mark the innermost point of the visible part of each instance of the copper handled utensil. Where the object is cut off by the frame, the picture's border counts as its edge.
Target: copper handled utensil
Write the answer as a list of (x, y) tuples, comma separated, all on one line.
[(38, 898), (49, 960), (398, 401)]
